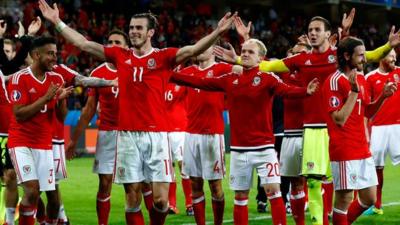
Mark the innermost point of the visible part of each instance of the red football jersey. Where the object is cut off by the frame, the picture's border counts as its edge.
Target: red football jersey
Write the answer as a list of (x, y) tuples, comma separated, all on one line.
[(142, 83), (107, 98), (175, 98), (310, 66), (37, 131), (389, 112), (68, 76), (249, 98), (293, 108), (349, 141), (5, 107), (205, 108)]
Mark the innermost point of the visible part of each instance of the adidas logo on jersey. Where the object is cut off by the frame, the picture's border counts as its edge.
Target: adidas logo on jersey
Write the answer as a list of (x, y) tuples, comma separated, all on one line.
[(378, 82), (235, 81), (128, 62), (308, 62), (32, 91)]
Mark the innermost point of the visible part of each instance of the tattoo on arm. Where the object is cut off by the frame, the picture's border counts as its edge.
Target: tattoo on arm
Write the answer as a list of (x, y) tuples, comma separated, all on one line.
[(92, 81)]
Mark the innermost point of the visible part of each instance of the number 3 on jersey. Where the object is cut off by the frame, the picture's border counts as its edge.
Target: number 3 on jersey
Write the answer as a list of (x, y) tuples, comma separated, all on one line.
[(137, 74)]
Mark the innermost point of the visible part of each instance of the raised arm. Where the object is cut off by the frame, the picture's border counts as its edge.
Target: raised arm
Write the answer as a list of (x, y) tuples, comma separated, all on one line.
[(341, 115), (87, 114), (387, 91), (208, 84), (189, 51), (381, 52), (77, 39), (81, 80)]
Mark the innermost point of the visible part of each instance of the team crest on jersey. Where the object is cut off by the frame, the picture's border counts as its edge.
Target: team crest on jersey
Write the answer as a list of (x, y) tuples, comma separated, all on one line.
[(331, 59), (210, 73), (15, 96), (256, 81), (151, 63), (396, 78), (27, 169), (310, 165), (334, 101), (121, 171)]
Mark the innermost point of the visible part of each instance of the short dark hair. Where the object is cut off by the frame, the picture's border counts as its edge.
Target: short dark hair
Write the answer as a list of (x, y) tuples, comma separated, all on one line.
[(42, 41), (348, 45), (119, 32), (152, 22), (327, 24)]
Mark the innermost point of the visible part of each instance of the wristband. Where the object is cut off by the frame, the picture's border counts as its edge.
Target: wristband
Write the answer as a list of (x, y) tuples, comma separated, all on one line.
[(60, 26), (238, 60)]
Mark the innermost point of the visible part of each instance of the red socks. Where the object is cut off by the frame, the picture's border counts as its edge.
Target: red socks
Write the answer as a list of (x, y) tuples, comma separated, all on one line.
[(218, 206), (356, 209), (103, 208), (172, 194), (378, 203), (134, 217), (199, 208), (339, 217), (241, 212), (297, 203), (278, 211), (157, 216), (187, 190), (26, 215)]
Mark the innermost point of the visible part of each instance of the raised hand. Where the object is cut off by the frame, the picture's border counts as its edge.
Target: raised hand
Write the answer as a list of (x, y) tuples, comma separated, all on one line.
[(34, 27), (51, 91), (50, 13), (63, 93), (21, 29), (303, 39), (243, 31), (333, 39), (227, 55), (353, 81), (389, 89), (347, 21), (3, 28), (226, 22), (312, 86), (394, 37)]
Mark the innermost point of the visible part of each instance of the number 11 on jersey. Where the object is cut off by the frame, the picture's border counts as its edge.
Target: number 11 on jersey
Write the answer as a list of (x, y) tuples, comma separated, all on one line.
[(137, 74)]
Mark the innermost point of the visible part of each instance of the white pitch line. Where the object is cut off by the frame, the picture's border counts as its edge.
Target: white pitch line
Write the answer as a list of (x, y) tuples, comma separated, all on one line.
[(270, 217)]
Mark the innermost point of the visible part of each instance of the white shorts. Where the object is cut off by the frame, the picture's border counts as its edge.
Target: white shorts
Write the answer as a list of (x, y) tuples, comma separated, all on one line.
[(105, 152), (242, 164), (177, 142), (385, 140), (34, 164), (142, 156), (354, 174), (60, 167), (204, 156), (290, 158)]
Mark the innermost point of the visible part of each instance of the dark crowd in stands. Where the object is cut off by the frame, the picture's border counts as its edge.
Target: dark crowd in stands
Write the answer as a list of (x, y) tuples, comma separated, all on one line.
[(180, 23)]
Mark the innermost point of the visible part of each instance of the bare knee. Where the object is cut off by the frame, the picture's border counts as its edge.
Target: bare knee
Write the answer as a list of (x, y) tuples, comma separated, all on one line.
[(197, 186), (216, 189), (133, 195)]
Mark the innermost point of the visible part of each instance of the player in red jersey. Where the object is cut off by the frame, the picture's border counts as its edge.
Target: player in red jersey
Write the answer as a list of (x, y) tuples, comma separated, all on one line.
[(249, 99), (176, 100), (203, 157), (143, 72), (319, 63), (386, 123), (107, 98), (35, 94), (347, 101), (290, 156)]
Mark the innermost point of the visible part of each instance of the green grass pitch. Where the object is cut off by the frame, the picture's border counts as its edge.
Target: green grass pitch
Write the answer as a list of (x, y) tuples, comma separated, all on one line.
[(79, 193)]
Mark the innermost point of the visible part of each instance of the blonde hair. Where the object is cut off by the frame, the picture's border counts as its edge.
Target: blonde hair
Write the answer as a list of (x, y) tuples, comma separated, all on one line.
[(262, 50)]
